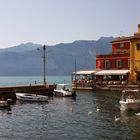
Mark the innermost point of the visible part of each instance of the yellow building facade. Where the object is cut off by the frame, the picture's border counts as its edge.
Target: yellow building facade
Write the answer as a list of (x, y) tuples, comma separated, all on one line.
[(134, 76)]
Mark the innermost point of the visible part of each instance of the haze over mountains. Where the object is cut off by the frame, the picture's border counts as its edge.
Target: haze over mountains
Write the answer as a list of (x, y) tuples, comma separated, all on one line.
[(25, 60)]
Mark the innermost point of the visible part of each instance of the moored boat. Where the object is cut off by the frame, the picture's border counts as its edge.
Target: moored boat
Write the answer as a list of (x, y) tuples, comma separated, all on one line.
[(31, 97), (5, 103), (63, 91), (130, 100)]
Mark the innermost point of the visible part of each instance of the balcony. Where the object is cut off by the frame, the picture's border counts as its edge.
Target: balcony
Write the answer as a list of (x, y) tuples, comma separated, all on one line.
[(107, 56)]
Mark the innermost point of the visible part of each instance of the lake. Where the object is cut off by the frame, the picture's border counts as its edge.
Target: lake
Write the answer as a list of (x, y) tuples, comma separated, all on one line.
[(67, 118)]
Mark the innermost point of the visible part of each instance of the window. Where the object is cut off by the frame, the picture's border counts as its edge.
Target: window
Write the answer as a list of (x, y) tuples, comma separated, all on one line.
[(115, 64), (121, 45), (107, 64), (119, 63), (138, 46)]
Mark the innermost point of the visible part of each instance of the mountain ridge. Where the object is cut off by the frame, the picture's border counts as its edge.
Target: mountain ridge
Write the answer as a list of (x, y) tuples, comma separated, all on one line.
[(21, 47), (24, 59)]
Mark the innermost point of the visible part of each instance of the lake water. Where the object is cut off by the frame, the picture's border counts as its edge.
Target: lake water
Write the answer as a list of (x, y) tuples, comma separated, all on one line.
[(67, 118)]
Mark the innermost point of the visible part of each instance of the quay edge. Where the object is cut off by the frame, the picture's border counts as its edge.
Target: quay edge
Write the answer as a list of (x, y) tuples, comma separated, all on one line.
[(108, 87), (43, 89)]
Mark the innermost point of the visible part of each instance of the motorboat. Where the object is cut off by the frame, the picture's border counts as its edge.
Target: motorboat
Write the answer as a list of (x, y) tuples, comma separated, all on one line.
[(5, 103), (130, 100), (31, 97), (64, 91)]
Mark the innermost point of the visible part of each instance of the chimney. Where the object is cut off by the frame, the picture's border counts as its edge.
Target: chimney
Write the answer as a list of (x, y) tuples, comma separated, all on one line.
[(138, 28)]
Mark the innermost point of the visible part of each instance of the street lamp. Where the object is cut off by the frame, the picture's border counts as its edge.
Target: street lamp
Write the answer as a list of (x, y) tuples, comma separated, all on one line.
[(43, 51)]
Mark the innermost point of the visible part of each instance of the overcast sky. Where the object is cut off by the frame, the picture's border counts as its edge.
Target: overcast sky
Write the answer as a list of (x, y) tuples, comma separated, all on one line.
[(55, 21)]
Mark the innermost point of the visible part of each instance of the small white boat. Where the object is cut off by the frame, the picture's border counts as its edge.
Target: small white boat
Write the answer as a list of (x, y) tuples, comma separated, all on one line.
[(31, 97), (130, 100), (63, 91), (6, 103), (3, 104)]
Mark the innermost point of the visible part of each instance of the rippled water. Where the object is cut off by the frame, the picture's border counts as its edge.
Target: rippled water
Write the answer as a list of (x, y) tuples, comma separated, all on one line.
[(69, 119)]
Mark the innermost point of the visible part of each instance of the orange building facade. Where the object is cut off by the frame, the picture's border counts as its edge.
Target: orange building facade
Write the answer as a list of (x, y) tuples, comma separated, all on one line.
[(125, 55), (118, 59)]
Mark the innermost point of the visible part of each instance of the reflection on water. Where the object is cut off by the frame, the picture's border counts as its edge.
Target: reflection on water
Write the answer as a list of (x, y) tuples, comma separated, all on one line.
[(67, 118)]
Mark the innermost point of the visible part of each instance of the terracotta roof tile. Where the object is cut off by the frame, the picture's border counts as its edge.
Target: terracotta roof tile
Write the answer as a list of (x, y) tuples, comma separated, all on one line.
[(119, 39)]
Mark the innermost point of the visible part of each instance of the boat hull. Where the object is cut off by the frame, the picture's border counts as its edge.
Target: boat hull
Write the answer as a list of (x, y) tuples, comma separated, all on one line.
[(31, 97), (129, 105), (3, 104), (61, 94)]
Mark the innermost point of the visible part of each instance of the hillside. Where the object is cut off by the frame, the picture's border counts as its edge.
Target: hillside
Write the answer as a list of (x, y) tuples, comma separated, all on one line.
[(26, 60)]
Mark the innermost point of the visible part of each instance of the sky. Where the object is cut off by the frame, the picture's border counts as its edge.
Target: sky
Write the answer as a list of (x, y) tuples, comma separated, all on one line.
[(52, 22)]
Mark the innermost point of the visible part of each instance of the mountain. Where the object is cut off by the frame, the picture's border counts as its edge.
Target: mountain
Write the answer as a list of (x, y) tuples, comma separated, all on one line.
[(26, 60), (22, 47)]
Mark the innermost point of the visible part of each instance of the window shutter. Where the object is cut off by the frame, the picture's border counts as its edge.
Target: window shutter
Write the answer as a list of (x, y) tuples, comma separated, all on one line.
[(115, 63), (122, 63)]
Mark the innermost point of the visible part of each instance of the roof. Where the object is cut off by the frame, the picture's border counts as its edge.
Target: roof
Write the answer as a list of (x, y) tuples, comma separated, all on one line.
[(85, 72), (112, 72), (120, 39)]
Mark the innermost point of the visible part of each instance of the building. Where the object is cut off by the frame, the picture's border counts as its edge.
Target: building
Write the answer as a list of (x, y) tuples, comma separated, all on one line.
[(119, 57), (135, 57), (125, 55), (120, 68), (83, 79)]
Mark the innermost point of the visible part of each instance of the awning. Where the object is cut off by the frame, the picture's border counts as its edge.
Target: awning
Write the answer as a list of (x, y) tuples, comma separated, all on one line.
[(112, 72), (85, 72)]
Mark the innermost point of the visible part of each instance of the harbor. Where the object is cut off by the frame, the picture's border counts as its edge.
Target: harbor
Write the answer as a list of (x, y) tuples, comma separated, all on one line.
[(94, 112), (69, 70), (68, 118)]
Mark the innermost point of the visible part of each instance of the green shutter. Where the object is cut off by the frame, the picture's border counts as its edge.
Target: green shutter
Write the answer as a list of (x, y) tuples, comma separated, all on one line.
[(122, 63), (115, 63)]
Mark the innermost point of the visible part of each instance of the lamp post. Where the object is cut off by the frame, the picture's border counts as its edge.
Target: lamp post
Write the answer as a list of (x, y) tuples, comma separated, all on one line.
[(44, 61)]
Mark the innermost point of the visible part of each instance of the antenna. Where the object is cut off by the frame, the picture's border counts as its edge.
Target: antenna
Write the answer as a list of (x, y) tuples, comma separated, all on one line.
[(75, 69)]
